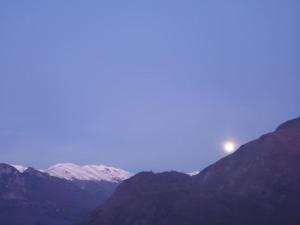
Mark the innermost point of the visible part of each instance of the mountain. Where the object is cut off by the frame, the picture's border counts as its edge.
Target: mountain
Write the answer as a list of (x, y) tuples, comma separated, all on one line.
[(33, 197), (258, 184)]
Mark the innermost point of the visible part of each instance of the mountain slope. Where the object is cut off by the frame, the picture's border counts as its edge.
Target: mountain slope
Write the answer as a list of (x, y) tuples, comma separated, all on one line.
[(258, 184)]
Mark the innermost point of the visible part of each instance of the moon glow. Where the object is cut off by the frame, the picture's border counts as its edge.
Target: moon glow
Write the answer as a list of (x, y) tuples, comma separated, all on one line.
[(229, 147)]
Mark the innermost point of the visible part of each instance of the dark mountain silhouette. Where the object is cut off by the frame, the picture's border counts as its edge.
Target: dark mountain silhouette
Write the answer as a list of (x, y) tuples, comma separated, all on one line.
[(258, 184), (35, 198)]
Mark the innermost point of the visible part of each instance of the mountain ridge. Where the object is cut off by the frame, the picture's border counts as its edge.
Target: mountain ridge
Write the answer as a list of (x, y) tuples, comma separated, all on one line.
[(90, 172), (71, 171)]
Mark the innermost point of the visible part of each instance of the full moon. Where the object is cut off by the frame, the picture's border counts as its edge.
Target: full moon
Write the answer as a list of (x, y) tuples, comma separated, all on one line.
[(229, 147)]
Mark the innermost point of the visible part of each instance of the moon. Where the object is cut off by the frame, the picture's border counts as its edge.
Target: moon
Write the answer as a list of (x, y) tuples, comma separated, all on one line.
[(229, 147)]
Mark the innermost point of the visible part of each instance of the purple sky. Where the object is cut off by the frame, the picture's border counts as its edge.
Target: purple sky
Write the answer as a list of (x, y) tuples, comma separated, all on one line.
[(143, 85)]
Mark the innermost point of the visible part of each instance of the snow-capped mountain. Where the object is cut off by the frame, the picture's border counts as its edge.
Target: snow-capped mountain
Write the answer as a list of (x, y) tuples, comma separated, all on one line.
[(29, 196), (72, 171), (20, 168)]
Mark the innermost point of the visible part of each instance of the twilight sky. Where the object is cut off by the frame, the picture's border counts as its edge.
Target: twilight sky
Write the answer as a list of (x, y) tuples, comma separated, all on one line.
[(143, 85)]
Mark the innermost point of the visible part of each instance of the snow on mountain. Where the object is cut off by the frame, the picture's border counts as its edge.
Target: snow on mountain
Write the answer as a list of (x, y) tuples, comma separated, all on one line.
[(72, 171), (107, 173), (20, 168), (194, 173)]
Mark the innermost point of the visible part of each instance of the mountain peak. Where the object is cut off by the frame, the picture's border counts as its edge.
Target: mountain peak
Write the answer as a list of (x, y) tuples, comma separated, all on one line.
[(7, 169)]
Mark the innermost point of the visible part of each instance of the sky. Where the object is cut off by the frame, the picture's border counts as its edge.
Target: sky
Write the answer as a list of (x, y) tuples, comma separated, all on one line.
[(144, 85)]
